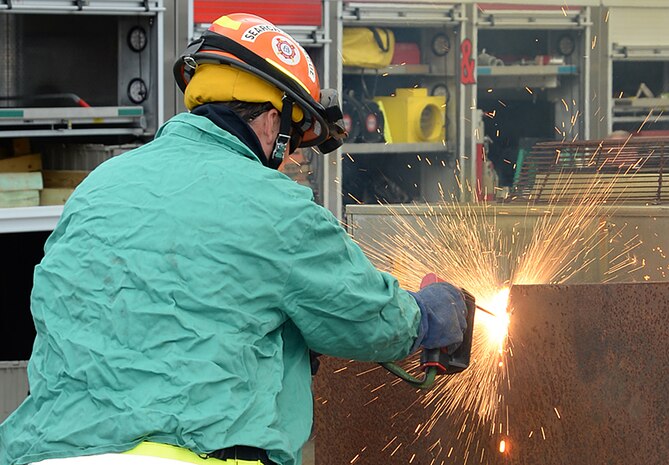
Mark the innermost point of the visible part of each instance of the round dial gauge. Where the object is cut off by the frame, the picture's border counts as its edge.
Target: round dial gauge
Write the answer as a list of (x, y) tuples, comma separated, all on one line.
[(441, 45), (137, 38), (137, 91), (440, 89), (566, 45)]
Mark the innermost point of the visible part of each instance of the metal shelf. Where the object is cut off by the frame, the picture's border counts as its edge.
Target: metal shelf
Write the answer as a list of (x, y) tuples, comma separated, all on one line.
[(410, 148), (400, 14), (519, 76), (654, 118), (117, 7), (640, 52), (526, 18), (26, 219), (307, 36), (527, 70), (638, 110), (69, 121), (636, 104), (395, 70)]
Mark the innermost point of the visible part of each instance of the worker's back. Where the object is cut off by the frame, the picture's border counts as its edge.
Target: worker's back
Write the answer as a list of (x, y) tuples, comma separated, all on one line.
[(160, 289), (168, 304)]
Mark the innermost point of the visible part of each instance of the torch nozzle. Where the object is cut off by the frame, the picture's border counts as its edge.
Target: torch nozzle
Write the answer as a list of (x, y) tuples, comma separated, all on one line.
[(478, 307)]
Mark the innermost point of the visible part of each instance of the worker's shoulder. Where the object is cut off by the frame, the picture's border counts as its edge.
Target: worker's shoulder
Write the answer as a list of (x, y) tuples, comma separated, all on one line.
[(283, 193), (278, 188), (198, 129)]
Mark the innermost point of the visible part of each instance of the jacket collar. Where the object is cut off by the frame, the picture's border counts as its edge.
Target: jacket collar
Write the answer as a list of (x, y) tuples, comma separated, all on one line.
[(180, 123), (228, 120)]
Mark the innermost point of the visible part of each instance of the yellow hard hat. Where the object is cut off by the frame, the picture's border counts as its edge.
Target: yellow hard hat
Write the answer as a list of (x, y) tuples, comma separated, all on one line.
[(223, 83)]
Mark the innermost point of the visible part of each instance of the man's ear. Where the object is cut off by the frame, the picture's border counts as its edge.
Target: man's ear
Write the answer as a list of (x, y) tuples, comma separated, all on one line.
[(270, 125), (266, 127)]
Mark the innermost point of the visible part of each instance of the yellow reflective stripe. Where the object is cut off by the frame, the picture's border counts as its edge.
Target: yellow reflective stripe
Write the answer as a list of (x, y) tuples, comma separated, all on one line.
[(168, 451), (225, 21), (287, 73)]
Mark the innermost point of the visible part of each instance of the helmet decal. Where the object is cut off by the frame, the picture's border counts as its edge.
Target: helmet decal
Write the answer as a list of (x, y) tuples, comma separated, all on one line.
[(311, 71), (228, 22), (285, 50), (252, 33)]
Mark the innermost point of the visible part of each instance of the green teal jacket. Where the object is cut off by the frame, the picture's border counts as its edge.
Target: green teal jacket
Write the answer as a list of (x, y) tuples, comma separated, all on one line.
[(177, 301)]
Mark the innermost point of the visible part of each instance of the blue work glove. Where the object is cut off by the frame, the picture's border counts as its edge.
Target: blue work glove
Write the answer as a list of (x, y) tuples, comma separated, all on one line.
[(443, 316)]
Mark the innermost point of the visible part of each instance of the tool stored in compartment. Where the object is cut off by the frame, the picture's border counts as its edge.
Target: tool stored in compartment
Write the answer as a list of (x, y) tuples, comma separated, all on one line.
[(439, 361), (363, 119)]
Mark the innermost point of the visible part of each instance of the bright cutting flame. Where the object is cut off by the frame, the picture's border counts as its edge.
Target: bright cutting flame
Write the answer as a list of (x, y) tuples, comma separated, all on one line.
[(497, 326)]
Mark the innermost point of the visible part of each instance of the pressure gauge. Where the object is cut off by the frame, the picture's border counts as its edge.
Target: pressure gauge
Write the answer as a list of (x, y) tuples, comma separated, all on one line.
[(439, 89), (441, 45), (137, 91), (566, 45), (137, 39)]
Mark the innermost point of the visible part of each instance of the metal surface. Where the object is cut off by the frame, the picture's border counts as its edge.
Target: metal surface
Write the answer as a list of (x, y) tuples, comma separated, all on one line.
[(587, 385), (13, 385), (352, 423), (9, 81), (590, 367)]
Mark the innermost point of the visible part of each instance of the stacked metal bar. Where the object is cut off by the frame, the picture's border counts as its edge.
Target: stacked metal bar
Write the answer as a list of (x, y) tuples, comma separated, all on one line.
[(615, 171)]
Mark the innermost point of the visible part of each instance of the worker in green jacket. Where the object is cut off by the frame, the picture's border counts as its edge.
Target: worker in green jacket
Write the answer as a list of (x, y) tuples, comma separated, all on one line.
[(187, 280)]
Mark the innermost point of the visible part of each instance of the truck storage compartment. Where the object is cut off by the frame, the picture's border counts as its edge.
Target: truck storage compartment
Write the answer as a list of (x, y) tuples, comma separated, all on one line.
[(78, 74)]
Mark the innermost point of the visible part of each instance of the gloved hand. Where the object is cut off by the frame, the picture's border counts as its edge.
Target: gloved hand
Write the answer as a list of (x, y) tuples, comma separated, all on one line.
[(443, 315)]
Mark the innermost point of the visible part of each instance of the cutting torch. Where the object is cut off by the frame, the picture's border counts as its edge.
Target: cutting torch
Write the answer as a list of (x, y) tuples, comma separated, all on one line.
[(441, 361)]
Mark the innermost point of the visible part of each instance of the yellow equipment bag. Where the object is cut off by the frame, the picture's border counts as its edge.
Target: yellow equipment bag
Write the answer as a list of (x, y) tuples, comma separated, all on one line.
[(368, 47)]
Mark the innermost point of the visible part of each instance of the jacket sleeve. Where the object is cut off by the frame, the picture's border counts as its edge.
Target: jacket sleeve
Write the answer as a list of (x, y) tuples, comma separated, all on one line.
[(341, 303)]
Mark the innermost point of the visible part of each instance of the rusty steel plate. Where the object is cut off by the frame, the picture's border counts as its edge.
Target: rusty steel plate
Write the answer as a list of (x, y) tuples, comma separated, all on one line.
[(588, 383)]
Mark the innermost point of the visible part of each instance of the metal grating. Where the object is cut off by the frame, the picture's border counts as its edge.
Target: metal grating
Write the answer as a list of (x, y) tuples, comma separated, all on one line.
[(607, 171)]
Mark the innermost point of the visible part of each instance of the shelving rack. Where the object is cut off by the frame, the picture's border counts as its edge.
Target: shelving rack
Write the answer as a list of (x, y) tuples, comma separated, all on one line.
[(417, 22), (92, 102), (637, 69), (539, 90), (634, 112)]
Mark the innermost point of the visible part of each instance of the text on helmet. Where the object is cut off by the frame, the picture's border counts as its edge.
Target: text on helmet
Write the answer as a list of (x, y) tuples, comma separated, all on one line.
[(252, 33)]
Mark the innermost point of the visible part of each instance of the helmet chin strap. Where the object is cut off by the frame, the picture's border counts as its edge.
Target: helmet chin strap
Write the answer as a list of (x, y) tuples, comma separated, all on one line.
[(283, 138)]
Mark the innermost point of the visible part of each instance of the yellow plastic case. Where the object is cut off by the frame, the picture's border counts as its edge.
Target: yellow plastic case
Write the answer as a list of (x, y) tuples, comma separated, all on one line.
[(414, 116)]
